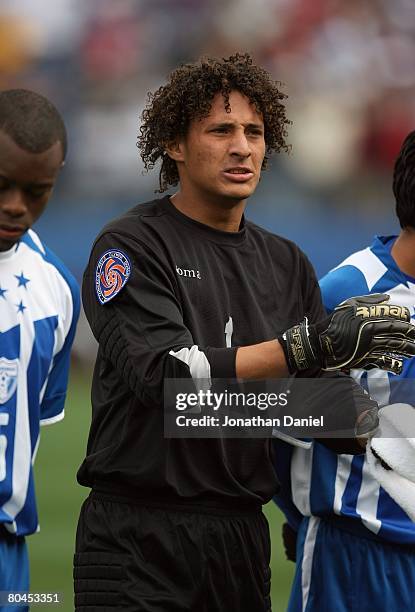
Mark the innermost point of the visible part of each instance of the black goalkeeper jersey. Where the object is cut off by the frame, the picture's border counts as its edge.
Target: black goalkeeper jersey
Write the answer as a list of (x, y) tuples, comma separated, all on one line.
[(194, 294)]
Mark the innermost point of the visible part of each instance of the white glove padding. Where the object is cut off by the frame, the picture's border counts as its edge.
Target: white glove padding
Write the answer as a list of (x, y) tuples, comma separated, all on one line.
[(391, 455)]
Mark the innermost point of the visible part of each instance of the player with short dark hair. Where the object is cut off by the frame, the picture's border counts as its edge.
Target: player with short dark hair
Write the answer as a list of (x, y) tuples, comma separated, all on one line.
[(39, 307), (349, 519), (403, 184), (42, 126), (184, 287)]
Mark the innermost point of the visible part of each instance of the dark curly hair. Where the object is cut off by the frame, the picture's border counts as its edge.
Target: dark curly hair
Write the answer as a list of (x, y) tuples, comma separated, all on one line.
[(31, 121), (404, 182), (188, 95)]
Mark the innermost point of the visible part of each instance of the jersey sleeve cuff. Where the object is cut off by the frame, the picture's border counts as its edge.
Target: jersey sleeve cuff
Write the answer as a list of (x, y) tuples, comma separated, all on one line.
[(52, 409), (222, 362), (54, 419)]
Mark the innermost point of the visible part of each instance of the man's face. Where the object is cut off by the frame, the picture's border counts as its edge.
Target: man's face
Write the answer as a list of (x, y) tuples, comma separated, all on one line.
[(221, 156), (26, 183)]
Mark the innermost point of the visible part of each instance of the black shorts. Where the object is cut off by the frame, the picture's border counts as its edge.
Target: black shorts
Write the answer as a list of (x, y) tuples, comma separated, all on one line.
[(147, 557)]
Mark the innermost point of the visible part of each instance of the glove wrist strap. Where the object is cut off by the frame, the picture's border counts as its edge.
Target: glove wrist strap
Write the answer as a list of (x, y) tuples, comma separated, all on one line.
[(301, 347)]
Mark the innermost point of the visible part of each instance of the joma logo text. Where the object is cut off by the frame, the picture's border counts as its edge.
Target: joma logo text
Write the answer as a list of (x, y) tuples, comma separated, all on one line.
[(188, 273)]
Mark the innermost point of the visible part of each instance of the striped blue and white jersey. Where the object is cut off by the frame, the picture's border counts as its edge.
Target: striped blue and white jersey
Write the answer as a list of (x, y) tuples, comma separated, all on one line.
[(39, 308), (320, 482)]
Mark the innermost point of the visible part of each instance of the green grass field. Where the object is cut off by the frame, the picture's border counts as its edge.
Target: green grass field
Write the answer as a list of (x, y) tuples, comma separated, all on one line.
[(62, 448)]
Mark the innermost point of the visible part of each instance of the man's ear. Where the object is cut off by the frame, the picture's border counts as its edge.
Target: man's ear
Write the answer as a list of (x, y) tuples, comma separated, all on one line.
[(175, 150)]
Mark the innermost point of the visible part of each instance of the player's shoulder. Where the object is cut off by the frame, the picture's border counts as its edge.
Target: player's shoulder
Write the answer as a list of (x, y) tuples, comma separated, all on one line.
[(136, 222), (286, 250), (44, 256), (273, 240), (141, 232), (355, 275)]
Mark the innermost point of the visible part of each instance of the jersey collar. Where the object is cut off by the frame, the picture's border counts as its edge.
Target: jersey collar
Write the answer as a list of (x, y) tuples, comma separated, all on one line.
[(9, 254), (202, 230)]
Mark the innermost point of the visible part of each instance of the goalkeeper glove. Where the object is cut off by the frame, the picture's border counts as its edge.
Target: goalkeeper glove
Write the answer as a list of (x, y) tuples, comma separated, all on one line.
[(361, 332)]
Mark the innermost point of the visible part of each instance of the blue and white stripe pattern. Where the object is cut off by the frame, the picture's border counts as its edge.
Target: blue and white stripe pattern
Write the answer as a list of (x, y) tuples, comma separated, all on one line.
[(323, 483), (39, 308)]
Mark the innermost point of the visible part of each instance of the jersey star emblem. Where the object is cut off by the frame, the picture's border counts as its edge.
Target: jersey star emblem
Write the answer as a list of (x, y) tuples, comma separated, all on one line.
[(2, 292), (21, 307), (22, 280)]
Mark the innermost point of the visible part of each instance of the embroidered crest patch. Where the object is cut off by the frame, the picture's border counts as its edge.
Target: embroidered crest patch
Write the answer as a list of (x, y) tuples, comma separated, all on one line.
[(8, 378), (112, 272)]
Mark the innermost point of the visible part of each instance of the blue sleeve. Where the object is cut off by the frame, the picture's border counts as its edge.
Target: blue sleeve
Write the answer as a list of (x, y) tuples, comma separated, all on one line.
[(53, 401), (341, 284)]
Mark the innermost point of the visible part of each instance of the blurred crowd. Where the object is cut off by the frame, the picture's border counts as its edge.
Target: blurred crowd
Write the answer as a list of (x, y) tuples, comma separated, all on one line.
[(347, 67)]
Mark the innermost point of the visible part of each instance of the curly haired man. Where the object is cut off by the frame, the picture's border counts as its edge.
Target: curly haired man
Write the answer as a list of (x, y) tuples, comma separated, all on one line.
[(184, 287)]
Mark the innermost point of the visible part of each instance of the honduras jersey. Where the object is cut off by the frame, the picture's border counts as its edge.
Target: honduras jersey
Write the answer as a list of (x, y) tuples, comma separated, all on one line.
[(39, 308), (323, 483)]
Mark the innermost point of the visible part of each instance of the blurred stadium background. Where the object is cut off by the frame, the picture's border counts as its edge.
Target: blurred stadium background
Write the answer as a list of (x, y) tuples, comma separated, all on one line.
[(349, 72)]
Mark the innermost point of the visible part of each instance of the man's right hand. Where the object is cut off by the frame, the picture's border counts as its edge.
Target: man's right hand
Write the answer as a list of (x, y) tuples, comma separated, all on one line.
[(289, 540)]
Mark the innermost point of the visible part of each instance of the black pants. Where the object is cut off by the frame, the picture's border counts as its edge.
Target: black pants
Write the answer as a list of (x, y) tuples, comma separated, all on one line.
[(150, 557)]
